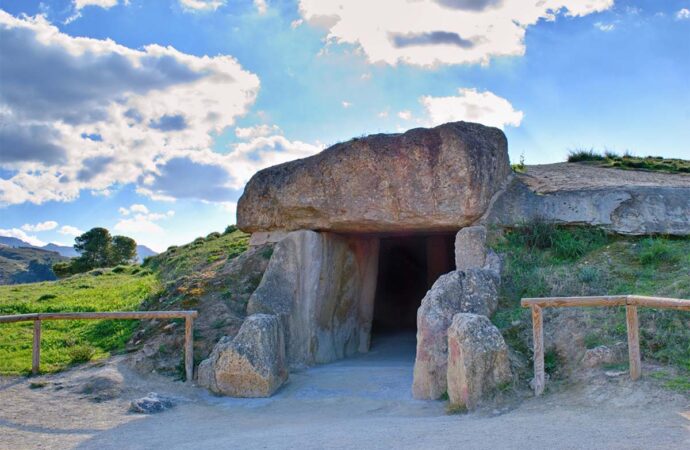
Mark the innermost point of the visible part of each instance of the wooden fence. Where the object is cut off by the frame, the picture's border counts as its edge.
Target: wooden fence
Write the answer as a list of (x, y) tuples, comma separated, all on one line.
[(631, 303), (37, 318)]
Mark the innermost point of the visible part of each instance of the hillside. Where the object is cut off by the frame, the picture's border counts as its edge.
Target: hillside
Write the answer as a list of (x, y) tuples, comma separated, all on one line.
[(68, 342), (26, 264), (543, 260), (214, 275)]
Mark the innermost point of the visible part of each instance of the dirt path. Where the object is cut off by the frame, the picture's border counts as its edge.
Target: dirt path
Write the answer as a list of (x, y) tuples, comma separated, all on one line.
[(358, 403)]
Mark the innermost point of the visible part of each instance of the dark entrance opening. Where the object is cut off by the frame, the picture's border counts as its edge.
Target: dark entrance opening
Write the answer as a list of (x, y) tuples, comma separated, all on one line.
[(408, 266)]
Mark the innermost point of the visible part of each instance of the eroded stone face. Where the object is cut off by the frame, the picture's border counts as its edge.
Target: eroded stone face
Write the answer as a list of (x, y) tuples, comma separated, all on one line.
[(252, 364), (322, 287), (423, 180), (477, 360), (473, 291)]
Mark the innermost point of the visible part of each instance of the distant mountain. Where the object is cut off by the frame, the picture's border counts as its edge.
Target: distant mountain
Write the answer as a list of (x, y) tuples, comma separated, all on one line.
[(13, 242), (23, 264), (66, 251), (143, 251)]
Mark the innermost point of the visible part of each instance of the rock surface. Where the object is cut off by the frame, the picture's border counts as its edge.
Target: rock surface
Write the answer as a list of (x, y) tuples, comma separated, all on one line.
[(250, 365), (473, 291), (601, 354), (322, 287), (477, 360), (622, 201), (151, 404), (441, 178), (470, 248)]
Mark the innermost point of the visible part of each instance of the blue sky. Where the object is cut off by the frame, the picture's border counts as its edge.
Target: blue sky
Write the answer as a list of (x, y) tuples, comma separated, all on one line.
[(147, 117)]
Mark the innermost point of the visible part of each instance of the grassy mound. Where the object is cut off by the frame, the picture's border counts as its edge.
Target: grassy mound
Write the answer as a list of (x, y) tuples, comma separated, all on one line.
[(67, 342), (627, 161), (545, 260)]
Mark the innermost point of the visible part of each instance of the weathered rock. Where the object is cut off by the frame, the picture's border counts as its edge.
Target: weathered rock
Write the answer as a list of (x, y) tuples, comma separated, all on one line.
[(477, 360), (322, 286), (470, 248), (622, 201), (474, 291), (425, 179), (151, 404), (600, 355), (250, 365)]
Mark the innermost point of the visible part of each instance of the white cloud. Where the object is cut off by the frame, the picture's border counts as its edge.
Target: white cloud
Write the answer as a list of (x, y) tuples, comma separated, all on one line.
[(405, 115), (683, 14), (605, 27), (382, 114), (83, 113), (138, 208), (296, 23), (201, 5), (19, 234), (247, 158), (105, 4), (430, 32), (346, 104), (70, 230), (472, 106), (257, 131), (41, 226), (261, 6), (141, 220)]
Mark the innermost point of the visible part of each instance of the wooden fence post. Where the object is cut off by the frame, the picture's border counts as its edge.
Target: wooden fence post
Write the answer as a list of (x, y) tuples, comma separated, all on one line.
[(189, 348), (633, 341), (36, 351), (538, 338)]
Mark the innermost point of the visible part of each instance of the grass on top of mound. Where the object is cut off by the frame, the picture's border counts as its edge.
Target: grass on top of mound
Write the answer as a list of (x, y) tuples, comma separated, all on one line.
[(184, 260), (542, 260), (628, 161), (67, 342)]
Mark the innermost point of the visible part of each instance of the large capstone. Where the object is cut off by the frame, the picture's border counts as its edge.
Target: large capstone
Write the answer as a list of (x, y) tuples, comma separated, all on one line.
[(477, 360), (436, 179), (252, 364), (322, 287)]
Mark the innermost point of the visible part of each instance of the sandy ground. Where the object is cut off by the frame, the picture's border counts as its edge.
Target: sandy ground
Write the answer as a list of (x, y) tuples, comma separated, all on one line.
[(363, 402), (546, 178)]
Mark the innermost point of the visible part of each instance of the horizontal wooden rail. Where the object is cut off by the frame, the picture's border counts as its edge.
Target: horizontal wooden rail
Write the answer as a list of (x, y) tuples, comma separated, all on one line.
[(631, 303), (188, 316)]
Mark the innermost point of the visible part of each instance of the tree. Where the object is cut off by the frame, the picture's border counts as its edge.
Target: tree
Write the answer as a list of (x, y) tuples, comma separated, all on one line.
[(123, 250), (94, 247)]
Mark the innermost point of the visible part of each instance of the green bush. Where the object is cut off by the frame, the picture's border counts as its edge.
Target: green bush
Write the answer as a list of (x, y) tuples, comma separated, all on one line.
[(654, 251), (579, 155), (80, 354)]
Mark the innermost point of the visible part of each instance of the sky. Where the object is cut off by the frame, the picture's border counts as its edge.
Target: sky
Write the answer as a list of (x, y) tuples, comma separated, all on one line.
[(148, 117)]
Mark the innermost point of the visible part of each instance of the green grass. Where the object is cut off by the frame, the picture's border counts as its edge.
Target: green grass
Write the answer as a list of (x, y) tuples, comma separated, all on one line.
[(545, 260), (68, 342), (188, 259), (628, 161)]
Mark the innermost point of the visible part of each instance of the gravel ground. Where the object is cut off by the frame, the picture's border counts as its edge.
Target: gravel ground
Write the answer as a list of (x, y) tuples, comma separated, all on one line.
[(362, 402)]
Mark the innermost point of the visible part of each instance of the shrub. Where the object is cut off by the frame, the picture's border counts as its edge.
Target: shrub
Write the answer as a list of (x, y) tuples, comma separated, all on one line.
[(580, 155), (46, 297), (81, 354), (230, 229), (655, 251), (212, 236)]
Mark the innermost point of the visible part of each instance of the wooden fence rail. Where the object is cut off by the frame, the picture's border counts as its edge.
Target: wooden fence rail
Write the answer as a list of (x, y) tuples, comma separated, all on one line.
[(631, 303), (37, 318)]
